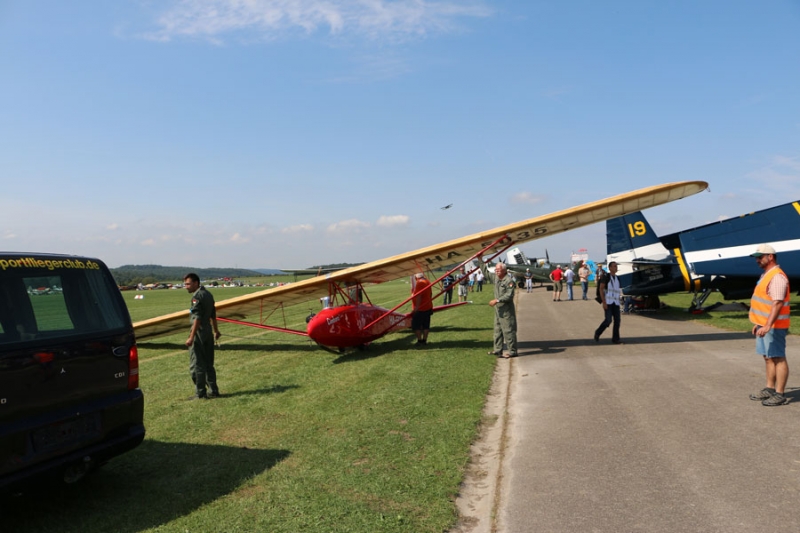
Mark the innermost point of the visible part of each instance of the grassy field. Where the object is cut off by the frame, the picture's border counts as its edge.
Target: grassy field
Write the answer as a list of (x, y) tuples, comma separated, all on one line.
[(302, 439)]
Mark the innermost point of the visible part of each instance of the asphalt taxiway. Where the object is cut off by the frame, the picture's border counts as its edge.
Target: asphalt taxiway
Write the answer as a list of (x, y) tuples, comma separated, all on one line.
[(655, 435)]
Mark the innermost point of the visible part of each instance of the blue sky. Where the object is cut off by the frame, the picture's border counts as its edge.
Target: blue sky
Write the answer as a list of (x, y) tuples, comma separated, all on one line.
[(280, 133)]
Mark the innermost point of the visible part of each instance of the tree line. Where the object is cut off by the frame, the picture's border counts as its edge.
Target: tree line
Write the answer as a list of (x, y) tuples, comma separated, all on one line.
[(144, 274)]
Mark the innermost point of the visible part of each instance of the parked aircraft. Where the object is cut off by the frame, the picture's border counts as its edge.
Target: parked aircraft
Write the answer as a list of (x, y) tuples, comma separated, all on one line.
[(348, 322), (518, 264), (713, 257)]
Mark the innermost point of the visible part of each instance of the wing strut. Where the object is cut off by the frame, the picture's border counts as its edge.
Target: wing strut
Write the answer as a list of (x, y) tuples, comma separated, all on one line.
[(263, 326), (460, 265)]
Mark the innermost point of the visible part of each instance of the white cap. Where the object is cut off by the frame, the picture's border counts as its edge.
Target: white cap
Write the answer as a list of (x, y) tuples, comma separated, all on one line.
[(763, 249)]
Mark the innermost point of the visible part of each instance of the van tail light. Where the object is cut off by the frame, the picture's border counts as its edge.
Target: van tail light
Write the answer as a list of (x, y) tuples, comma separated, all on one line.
[(133, 368)]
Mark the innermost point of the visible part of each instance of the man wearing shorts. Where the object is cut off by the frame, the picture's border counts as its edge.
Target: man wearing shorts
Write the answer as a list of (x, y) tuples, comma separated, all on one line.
[(556, 276), (463, 285), (769, 313)]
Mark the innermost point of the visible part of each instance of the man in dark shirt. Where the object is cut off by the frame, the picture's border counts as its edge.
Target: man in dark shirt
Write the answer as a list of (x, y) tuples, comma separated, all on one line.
[(203, 316)]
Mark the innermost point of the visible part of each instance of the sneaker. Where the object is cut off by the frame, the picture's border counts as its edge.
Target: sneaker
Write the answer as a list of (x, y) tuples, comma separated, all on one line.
[(775, 399), (596, 337), (762, 395), (194, 397), (213, 394)]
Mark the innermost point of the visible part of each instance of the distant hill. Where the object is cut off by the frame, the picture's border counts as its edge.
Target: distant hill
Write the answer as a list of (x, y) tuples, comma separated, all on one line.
[(134, 274), (268, 271)]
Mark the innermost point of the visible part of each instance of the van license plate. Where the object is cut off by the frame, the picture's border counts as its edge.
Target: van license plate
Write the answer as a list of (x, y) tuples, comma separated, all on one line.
[(67, 434)]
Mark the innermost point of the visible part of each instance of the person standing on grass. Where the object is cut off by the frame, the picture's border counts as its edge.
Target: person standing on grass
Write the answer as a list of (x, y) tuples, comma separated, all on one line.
[(447, 286), (423, 308), (463, 285), (505, 314), (769, 313), (203, 316)]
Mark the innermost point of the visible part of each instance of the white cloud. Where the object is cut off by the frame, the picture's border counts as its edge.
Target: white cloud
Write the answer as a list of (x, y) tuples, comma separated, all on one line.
[(352, 225), (781, 174), (526, 198), (393, 220), (113, 226), (300, 228), (238, 238), (375, 19), (792, 163)]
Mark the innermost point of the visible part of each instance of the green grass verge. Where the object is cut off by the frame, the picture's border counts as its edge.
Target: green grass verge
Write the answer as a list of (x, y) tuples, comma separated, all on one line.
[(302, 440)]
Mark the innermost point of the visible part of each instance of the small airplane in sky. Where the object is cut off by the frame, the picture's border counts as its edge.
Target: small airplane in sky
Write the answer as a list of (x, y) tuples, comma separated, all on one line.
[(348, 322), (448, 206), (701, 260)]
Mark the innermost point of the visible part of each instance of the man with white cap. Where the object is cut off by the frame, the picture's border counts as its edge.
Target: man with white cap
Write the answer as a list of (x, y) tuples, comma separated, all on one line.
[(528, 280), (769, 313)]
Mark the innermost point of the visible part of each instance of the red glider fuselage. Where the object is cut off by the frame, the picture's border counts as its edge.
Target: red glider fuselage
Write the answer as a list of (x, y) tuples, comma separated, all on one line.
[(345, 326)]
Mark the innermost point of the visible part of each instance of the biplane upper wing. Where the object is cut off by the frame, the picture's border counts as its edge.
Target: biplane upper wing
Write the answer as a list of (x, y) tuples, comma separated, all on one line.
[(436, 256)]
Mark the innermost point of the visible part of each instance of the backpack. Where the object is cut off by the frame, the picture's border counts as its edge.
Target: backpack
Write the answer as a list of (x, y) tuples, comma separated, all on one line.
[(602, 279)]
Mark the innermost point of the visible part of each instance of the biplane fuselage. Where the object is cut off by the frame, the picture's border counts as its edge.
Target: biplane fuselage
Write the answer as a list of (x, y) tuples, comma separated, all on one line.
[(348, 326), (705, 259)]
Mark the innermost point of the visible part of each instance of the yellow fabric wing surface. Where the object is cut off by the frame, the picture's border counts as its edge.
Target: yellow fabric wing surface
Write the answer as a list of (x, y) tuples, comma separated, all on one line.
[(432, 257)]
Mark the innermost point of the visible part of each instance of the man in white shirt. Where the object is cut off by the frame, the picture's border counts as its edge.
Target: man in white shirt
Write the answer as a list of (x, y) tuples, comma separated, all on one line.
[(610, 293)]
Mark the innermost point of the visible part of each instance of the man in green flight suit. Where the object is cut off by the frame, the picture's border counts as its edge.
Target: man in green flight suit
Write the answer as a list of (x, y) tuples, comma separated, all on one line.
[(201, 340), (505, 314)]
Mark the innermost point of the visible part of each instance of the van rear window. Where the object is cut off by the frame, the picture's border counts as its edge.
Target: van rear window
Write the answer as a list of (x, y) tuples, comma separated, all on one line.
[(37, 304)]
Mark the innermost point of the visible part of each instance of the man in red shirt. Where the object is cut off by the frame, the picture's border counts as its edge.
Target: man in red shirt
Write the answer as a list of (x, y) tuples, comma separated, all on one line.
[(557, 276), (423, 308)]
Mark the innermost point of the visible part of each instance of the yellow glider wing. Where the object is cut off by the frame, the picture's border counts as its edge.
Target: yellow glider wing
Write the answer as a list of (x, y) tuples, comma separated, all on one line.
[(432, 257)]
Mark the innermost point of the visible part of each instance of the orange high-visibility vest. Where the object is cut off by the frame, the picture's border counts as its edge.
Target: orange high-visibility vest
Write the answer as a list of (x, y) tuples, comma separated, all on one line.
[(761, 303)]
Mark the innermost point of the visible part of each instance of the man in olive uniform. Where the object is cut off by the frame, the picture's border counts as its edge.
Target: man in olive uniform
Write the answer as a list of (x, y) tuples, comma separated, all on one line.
[(201, 338), (505, 315)]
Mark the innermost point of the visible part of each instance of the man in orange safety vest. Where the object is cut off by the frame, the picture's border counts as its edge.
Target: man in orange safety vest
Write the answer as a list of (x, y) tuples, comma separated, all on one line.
[(769, 313)]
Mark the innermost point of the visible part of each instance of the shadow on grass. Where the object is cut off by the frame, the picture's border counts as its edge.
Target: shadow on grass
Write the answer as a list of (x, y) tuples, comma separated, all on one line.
[(148, 487), (258, 345), (408, 343), (275, 389)]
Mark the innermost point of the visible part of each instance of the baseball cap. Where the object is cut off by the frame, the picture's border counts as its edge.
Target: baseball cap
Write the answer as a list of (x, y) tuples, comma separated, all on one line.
[(763, 249)]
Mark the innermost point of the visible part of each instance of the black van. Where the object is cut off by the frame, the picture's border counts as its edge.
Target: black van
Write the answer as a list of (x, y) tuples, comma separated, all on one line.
[(69, 369)]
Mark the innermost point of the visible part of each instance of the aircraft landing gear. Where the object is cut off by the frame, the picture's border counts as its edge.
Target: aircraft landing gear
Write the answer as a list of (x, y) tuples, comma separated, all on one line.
[(698, 299)]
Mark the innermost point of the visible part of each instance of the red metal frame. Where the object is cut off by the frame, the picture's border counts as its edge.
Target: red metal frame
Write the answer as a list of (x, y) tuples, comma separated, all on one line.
[(352, 294), (461, 265)]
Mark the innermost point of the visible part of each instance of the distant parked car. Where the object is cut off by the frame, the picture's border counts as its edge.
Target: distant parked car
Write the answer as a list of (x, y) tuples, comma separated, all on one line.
[(69, 369)]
